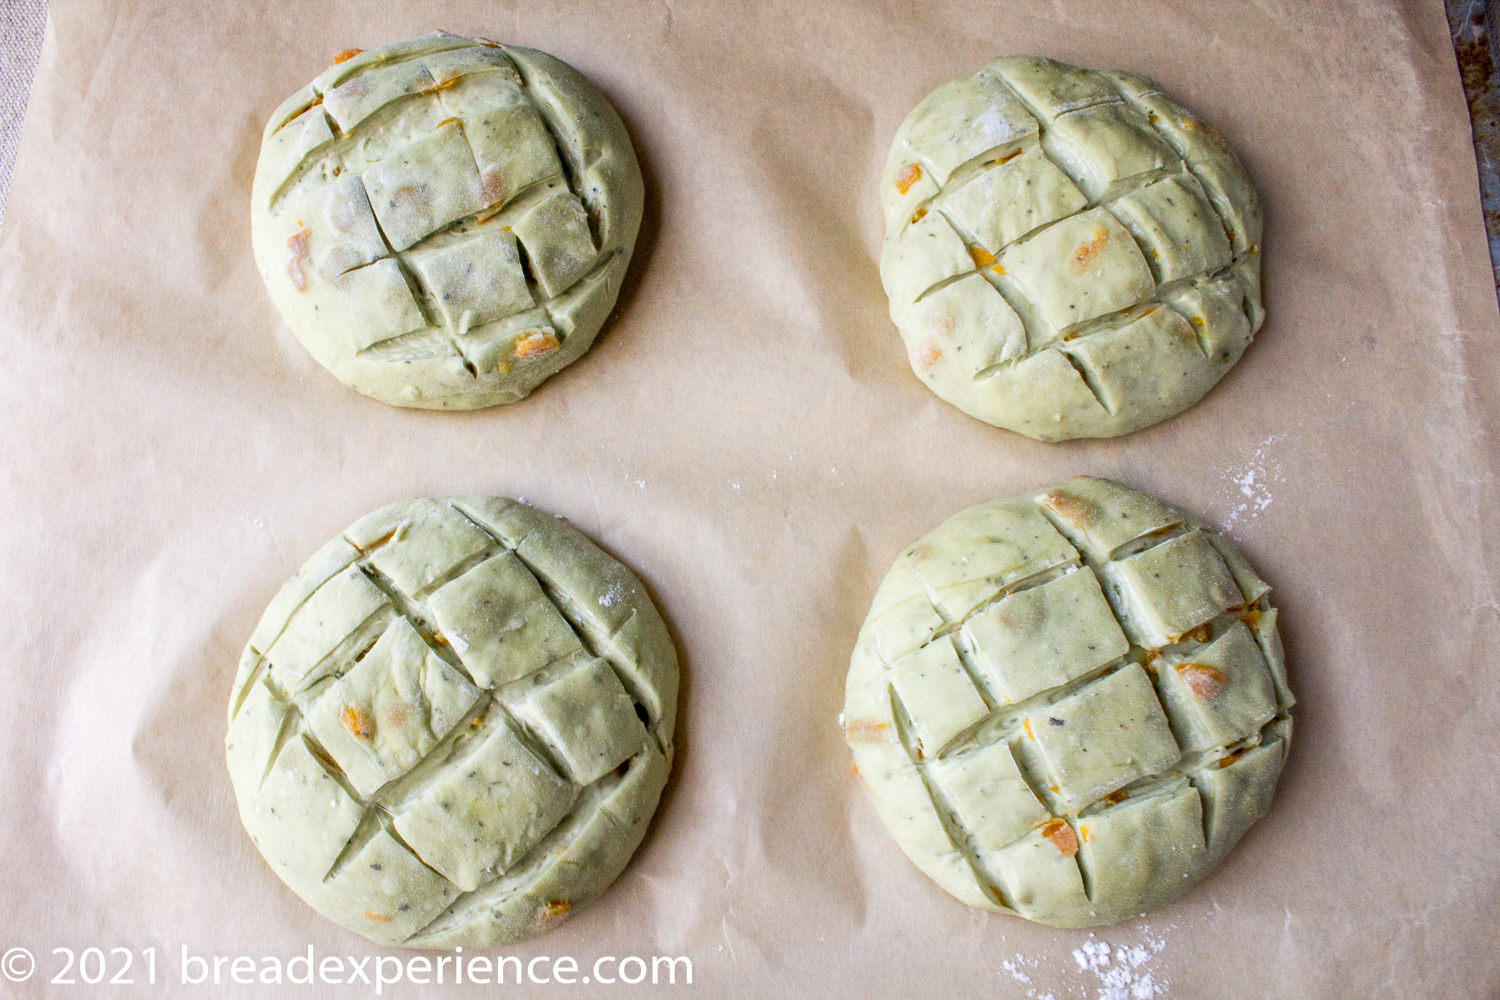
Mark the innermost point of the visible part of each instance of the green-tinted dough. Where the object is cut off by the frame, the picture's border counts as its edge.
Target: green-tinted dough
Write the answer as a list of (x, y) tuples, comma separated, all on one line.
[(1069, 705), (1067, 253), (452, 725), (445, 222), (940, 699)]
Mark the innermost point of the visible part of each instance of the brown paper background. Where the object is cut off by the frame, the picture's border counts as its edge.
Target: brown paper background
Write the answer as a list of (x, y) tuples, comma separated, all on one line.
[(746, 434)]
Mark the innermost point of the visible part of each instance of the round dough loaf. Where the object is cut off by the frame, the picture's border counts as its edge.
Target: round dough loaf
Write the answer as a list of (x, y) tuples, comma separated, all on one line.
[(452, 725), (1067, 253), (445, 222), (1069, 705)]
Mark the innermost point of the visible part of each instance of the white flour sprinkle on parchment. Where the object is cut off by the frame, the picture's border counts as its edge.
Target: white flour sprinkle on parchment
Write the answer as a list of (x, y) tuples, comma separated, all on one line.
[(1122, 971), (1119, 968), (1013, 966), (1248, 485)]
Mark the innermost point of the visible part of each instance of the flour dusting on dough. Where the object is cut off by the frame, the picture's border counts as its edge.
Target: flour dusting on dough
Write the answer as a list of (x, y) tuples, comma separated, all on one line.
[(996, 126), (612, 596)]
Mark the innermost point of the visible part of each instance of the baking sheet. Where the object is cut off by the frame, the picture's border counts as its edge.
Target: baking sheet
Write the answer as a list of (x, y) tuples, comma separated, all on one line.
[(747, 436)]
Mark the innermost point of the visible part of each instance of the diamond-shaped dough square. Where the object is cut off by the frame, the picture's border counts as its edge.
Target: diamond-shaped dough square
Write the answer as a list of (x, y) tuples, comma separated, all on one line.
[(467, 62), (993, 801), (1101, 517), (333, 613), (1044, 884), (1049, 390), (1216, 310), (1104, 737), (500, 622), (335, 556), (354, 100), (491, 805), (286, 148), (1173, 588), (585, 716), (434, 539), (996, 334), (1177, 227), (558, 243), (1194, 139), (1045, 636), (937, 693), (901, 629), (978, 552), (972, 116), (526, 338), (373, 304), (1237, 791), (1009, 200), (512, 149), (477, 93), (390, 710), (926, 253), (386, 892), (425, 186), (475, 280), (329, 230), (1149, 362), (304, 816), (1052, 88), (1102, 145), (1083, 267), (1219, 694), (1144, 848)]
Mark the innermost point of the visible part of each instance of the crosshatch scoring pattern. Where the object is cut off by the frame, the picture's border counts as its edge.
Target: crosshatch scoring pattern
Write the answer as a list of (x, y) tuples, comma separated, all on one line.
[(1069, 706), (446, 221), (452, 725), (1068, 253)]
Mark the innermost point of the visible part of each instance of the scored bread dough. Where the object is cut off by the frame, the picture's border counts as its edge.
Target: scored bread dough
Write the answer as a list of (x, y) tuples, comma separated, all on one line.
[(445, 222), (1069, 705), (1067, 253), (452, 725)]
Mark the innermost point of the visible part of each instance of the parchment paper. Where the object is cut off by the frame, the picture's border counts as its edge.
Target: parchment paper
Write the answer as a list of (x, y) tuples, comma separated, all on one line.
[(746, 434)]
